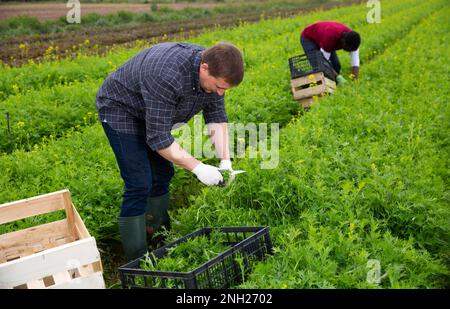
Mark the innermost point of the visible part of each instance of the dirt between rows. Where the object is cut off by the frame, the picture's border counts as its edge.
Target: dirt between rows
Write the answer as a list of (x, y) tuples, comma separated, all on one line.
[(49, 11)]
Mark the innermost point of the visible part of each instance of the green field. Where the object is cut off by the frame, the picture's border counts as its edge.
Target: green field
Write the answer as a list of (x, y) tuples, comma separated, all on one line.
[(363, 175)]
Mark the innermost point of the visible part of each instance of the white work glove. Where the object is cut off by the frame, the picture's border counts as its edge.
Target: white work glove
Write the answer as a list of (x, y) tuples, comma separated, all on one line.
[(208, 174), (225, 165)]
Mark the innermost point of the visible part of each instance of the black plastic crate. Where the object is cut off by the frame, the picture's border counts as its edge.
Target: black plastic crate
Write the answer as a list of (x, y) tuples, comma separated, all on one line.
[(248, 246), (302, 65)]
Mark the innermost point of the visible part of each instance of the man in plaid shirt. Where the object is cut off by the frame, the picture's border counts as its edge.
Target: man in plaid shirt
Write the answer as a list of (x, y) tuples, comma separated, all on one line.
[(140, 103)]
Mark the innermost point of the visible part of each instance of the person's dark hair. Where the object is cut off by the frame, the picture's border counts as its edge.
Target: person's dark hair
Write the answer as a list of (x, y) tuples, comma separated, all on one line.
[(225, 61), (350, 40)]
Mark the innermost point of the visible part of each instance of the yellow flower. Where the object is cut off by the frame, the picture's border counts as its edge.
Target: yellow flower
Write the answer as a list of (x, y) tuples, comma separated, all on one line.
[(22, 46), (373, 167), (20, 124), (311, 76), (350, 231)]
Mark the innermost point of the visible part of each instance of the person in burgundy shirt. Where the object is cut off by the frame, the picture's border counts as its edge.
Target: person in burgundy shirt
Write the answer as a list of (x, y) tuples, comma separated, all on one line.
[(327, 37)]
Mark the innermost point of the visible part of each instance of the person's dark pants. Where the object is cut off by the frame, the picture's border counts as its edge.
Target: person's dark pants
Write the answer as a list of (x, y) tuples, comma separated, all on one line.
[(310, 48), (145, 173)]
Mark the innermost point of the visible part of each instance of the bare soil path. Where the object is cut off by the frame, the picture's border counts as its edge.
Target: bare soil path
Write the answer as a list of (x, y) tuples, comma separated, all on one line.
[(49, 11)]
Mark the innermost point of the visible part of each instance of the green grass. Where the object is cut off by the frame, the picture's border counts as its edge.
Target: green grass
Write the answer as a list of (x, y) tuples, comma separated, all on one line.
[(50, 100), (363, 175)]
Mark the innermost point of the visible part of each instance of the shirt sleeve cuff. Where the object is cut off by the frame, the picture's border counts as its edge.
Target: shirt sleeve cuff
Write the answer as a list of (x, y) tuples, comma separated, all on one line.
[(215, 118), (160, 142), (354, 58)]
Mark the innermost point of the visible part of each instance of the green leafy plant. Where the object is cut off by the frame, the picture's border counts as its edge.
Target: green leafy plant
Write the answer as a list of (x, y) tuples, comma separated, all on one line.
[(188, 255), (362, 175)]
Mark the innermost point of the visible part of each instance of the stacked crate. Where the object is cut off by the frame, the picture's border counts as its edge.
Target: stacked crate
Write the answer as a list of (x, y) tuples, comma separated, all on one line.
[(309, 82), (59, 254)]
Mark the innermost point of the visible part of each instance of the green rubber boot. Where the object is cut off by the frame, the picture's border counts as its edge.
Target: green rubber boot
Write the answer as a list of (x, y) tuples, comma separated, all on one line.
[(134, 238), (157, 215)]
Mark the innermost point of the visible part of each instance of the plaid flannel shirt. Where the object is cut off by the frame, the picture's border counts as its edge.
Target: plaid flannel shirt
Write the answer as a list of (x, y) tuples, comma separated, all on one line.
[(155, 90)]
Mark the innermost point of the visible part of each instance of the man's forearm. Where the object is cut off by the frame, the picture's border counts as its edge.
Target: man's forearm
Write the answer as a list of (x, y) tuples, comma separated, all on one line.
[(177, 155), (218, 133)]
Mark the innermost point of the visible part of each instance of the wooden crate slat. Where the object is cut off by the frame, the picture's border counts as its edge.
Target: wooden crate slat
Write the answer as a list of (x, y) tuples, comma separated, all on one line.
[(94, 281), (86, 270), (98, 267), (61, 277), (36, 284), (80, 228), (307, 79), (331, 85), (306, 87), (67, 201), (33, 206), (31, 240), (48, 262), (46, 255), (309, 92)]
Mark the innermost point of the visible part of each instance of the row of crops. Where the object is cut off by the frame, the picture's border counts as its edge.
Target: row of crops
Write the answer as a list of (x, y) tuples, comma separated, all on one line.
[(361, 176), (359, 179), (66, 102)]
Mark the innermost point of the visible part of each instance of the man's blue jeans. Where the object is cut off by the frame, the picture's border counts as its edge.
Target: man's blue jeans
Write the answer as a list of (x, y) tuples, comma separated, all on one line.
[(310, 48), (145, 173)]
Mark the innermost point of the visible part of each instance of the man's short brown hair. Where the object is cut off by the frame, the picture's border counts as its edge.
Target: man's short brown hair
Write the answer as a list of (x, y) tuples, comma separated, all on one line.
[(225, 61)]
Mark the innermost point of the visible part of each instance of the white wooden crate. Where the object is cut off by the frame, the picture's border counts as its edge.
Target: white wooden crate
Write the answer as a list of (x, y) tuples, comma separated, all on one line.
[(60, 254), (306, 87)]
